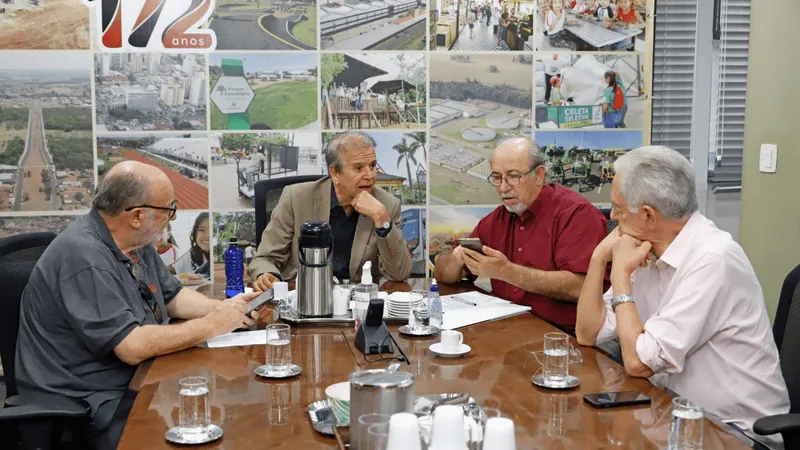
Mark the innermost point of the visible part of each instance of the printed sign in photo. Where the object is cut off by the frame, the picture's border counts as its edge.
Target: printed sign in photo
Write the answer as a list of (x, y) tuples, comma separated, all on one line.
[(183, 158), (141, 26), (589, 91), (252, 91), (46, 158), (402, 170), (239, 161), (584, 160), (265, 25), (374, 90), (150, 92)]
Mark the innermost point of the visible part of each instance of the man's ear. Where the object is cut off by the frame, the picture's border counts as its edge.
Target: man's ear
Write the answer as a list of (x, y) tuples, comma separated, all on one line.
[(541, 175), (136, 218)]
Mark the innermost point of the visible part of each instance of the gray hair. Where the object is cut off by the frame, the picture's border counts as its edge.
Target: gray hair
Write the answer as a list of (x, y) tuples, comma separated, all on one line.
[(538, 158), (343, 141), (659, 177), (120, 191)]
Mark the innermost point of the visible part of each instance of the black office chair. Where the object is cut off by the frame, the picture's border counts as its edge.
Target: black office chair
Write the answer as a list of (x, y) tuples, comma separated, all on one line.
[(30, 422), (268, 192), (786, 330)]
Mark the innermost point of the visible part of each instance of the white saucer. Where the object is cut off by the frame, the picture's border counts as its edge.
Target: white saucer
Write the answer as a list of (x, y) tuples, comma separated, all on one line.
[(437, 350), (175, 436), (571, 382)]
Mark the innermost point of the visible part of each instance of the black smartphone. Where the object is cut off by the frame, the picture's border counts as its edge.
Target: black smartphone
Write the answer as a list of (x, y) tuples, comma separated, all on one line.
[(614, 399), (259, 302), (473, 244)]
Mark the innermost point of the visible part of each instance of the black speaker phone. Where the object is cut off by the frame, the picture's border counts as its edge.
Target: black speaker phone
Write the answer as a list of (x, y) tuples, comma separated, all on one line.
[(372, 337)]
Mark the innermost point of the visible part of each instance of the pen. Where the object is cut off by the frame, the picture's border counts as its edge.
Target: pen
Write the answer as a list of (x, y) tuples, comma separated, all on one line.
[(457, 298)]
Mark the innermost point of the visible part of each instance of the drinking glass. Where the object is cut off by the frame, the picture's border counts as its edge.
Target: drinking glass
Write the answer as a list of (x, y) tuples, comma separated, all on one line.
[(378, 436), (279, 348), (419, 316), (556, 359), (365, 421), (686, 430), (195, 407)]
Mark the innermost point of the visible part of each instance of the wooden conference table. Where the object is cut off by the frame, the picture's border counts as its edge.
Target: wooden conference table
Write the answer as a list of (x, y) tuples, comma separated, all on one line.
[(255, 413)]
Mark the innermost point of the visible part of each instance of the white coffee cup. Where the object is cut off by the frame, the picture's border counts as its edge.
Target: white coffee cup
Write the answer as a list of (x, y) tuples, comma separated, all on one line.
[(448, 428), (403, 427), (499, 434), (280, 290), (451, 340)]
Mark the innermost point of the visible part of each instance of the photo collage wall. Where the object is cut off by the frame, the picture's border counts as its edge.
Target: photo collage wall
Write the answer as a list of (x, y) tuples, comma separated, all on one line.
[(437, 83)]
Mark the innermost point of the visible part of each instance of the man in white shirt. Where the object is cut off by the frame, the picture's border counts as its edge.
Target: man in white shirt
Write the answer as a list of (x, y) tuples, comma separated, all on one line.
[(684, 299)]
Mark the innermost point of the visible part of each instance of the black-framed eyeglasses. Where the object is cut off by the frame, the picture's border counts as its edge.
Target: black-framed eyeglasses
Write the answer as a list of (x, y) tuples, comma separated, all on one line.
[(150, 299), (513, 179), (146, 294), (173, 208)]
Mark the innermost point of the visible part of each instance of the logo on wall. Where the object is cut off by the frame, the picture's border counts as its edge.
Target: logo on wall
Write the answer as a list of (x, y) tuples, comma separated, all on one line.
[(153, 25)]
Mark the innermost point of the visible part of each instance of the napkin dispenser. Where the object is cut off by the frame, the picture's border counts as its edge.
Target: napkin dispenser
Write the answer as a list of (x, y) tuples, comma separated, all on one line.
[(372, 337)]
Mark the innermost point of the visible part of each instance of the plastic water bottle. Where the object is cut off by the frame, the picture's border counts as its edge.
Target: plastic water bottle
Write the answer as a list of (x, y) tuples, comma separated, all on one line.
[(234, 269), (436, 306)]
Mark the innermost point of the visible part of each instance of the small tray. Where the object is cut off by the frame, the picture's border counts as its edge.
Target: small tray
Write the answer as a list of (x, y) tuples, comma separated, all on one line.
[(322, 417)]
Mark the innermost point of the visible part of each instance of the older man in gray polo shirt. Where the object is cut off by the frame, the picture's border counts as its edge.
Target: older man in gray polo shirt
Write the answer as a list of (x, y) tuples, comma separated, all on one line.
[(99, 302)]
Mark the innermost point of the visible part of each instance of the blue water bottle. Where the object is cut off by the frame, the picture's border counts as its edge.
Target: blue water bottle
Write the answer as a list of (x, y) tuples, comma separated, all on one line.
[(234, 269)]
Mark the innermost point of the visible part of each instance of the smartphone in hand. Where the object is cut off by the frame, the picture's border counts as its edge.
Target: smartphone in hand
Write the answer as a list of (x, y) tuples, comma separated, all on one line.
[(473, 244), (259, 302)]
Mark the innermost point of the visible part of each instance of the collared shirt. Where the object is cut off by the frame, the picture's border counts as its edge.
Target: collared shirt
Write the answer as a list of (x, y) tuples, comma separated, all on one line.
[(81, 301), (559, 231), (344, 232), (706, 331)]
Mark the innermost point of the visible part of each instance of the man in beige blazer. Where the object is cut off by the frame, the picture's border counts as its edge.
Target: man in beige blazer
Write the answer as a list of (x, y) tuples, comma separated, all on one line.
[(365, 220)]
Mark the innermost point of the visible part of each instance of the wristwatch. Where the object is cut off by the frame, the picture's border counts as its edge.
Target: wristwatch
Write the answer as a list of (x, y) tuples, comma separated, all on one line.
[(619, 299), (385, 225), (383, 230)]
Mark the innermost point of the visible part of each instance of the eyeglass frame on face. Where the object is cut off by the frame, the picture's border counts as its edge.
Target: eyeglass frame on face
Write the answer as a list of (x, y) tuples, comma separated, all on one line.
[(173, 209), (508, 178)]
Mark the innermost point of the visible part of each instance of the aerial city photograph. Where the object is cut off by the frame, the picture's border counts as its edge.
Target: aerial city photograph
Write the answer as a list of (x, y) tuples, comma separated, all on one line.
[(46, 161)]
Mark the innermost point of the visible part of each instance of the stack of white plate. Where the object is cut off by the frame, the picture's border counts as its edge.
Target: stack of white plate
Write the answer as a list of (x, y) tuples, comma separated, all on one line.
[(400, 304)]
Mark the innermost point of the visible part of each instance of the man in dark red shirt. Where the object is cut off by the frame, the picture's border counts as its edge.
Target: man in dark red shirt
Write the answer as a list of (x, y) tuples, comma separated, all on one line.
[(538, 244)]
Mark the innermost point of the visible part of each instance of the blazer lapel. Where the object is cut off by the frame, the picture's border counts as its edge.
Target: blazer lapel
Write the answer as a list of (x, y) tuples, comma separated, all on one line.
[(363, 232), (322, 202)]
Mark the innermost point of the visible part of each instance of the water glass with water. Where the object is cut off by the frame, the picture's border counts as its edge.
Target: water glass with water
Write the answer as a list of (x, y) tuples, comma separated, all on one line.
[(556, 359), (195, 407), (279, 348), (419, 310), (686, 430)]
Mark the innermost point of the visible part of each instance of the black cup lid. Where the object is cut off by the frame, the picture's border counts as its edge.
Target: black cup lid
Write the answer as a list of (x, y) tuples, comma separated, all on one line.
[(316, 235)]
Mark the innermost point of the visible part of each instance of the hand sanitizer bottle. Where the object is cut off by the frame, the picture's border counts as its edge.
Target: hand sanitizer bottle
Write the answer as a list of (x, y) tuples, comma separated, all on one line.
[(363, 292)]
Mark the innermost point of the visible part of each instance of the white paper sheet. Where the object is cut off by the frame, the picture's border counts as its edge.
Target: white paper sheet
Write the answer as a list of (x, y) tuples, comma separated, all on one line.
[(239, 339), (459, 314)]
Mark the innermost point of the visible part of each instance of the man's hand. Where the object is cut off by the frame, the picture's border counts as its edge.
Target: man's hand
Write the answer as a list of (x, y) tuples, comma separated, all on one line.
[(629, 254), (263, 282), (245, 297), (458, 254), (229, 315), (369, 206), (492, 264), (605, 249)]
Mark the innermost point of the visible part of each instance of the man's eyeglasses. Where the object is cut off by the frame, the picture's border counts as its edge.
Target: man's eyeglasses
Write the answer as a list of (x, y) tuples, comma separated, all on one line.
[(512, 179), (173, 208)]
